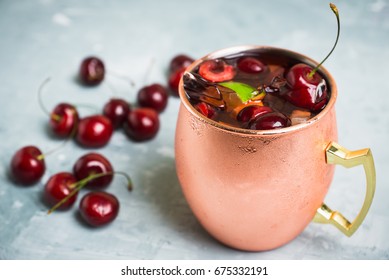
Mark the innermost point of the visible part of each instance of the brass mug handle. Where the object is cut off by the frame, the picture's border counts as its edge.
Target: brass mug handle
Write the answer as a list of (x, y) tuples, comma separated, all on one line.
[(336, 154)]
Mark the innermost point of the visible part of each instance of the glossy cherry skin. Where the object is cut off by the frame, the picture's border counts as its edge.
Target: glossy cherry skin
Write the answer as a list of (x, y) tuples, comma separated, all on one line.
[(174, 80), (180, 61), (271, 120), (116, 109), (92, 71), (216, 70), (142, 124), (94, 131), (205, 109), (58, 187), (250, 65), (99, 208), (64, 119), (306, 92), (153, 96), (94, 163), (27, 165), (251, 112)]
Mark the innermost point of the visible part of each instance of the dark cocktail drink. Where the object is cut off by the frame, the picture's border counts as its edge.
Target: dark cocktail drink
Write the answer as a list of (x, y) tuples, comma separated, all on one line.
[(260, 90)]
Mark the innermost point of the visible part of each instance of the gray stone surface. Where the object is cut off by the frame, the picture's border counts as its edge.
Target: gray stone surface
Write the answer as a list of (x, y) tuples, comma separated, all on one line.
[(41, 38)]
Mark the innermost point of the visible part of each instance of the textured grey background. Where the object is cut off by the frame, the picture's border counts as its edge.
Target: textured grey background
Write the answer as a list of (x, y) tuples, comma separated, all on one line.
[(41, 38)]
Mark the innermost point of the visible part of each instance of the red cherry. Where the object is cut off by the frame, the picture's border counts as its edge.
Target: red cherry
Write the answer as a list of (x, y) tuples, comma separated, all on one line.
[(63, 119), (251, 112), (58, 187), (142, 124), (28, 165), (174, 80), (92, 71), (92, 164), (308, 88), (271, 120), (180, 61), (116, 110), (216, 71), (94, 131), (250, 65), (153, 96), (205, 109), (309, 92), (99, 208)]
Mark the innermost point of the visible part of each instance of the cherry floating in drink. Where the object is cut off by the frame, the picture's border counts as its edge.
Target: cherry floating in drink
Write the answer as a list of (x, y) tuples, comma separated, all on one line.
[(258, 89)]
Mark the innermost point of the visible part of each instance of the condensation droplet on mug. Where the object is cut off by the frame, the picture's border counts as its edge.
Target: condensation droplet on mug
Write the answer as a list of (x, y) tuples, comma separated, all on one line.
[(196, 125), (249, 148)]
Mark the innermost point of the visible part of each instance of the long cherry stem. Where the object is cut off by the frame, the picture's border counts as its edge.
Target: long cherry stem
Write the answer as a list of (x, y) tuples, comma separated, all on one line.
[(40, 100), (121, 76), (76, 187), (148, 71), (64, 142), (336, 12), (54, 117)]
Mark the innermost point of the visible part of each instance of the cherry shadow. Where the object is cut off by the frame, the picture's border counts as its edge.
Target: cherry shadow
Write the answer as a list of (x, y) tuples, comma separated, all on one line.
[(9, 177)]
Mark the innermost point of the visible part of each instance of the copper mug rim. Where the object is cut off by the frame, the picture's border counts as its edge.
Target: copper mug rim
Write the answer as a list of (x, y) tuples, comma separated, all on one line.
[(231, 50)]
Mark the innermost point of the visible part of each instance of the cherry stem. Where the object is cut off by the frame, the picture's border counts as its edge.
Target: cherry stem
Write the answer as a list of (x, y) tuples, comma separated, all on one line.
[(88, 106), (336, 12), (76, 187), (53, 116), (40, 100), (121, 76), (71, 136), (148, 71)]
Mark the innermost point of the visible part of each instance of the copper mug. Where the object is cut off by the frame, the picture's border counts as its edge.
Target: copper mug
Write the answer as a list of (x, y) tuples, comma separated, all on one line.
[(258, 190)]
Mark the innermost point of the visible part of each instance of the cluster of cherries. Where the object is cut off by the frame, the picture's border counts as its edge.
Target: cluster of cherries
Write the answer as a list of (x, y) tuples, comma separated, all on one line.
[(301, 85), (298, 86), (93, 170)]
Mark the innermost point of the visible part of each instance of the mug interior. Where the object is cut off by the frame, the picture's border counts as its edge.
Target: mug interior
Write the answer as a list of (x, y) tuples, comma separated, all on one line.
[(274, 52)]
